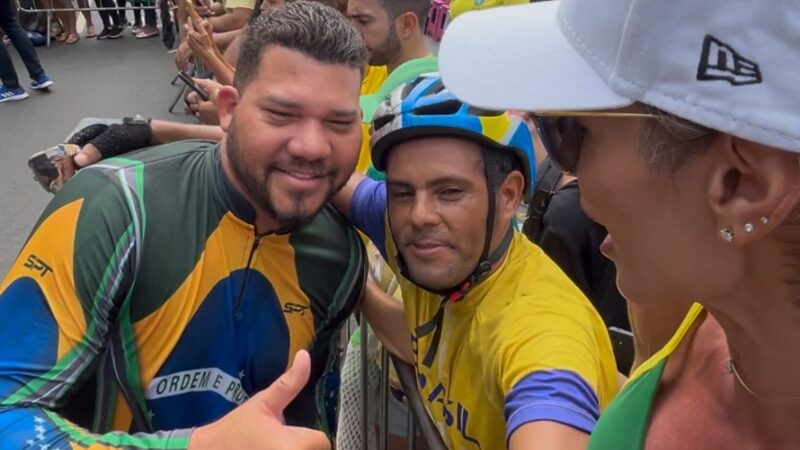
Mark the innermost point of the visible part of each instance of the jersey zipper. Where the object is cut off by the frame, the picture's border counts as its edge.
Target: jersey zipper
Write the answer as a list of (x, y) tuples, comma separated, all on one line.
[(240, 298)]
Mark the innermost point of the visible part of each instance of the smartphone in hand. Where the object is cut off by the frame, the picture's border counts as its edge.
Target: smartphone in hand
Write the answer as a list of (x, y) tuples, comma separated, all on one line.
[(194, 86)]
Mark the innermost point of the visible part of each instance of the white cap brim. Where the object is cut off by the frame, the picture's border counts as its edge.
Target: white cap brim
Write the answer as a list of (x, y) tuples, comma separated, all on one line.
[(517, 58)]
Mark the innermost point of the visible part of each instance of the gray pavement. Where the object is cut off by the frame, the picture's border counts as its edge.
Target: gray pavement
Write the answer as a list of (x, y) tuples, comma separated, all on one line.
[(92, 79)]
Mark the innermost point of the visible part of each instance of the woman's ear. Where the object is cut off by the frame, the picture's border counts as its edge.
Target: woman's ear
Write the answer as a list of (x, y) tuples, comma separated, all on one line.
[(227, 99), (753, 187)]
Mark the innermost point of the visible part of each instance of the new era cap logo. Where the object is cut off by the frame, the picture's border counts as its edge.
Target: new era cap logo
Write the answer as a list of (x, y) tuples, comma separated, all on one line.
[(721, 62)]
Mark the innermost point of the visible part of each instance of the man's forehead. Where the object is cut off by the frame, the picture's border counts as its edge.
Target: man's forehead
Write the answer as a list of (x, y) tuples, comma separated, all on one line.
[(363, 7), (298, 81), (280, 63)]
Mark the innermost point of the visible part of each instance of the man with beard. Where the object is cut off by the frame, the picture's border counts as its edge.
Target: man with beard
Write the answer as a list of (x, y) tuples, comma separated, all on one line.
[(167, 290), (393, 33)]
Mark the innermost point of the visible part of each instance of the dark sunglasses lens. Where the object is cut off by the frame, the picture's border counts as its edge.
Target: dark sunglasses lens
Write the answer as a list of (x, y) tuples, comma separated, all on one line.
[(561, 137)]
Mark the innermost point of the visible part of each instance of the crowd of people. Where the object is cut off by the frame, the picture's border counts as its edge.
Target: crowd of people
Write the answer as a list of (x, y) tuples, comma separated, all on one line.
[(576, 222)]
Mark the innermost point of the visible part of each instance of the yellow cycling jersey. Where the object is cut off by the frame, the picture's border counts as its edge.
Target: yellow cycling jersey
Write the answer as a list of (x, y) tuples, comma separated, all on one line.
[(373, 79), (523, 345)]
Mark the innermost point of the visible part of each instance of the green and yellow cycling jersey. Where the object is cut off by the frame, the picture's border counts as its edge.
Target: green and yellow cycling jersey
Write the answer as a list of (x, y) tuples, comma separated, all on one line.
[(144, 300)]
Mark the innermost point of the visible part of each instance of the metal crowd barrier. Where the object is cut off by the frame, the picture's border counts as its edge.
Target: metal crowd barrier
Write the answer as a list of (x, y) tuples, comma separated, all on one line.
[(51, 10), (418, 418)]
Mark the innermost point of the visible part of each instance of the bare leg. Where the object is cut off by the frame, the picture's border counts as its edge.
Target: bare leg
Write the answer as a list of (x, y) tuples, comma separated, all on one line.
[(90, 30), (72, 24)]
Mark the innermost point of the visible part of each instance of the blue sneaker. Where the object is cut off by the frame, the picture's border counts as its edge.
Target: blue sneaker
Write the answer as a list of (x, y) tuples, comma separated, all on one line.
[(41, 82), (7, 94)]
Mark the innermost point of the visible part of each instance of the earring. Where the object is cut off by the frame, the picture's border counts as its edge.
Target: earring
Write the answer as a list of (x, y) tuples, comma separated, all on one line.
[(749, 228), (726, 234), (764, 220)]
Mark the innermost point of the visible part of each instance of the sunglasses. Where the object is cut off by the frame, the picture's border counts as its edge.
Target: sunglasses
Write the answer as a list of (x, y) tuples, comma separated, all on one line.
[(562, 135)]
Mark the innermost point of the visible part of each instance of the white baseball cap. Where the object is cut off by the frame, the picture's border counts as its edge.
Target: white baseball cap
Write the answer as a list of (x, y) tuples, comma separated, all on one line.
[(733, 66)]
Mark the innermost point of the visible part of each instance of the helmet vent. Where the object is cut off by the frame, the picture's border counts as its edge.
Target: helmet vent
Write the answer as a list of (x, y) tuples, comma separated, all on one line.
[(381, 121), (445, 108), (474, 111)]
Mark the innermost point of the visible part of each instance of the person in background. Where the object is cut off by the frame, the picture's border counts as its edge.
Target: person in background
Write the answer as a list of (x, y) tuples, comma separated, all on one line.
[(150, 27), (393, 33), (69, 33), (10, 89), (224, 27), (113, 20), (90, 32)]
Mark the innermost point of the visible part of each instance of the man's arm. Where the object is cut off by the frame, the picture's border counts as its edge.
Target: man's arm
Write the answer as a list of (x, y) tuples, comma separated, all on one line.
[(552, 358), (165, 132), (231, 54), (224, 39), (548, 436), (363, 201), (162, 132), (236, 19), (343, 198), (387, 317), (60, 301)]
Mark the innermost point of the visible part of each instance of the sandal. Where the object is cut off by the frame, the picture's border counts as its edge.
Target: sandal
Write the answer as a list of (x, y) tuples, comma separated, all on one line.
[(73, 38), (145, 35), (62, 37), (90, 32)]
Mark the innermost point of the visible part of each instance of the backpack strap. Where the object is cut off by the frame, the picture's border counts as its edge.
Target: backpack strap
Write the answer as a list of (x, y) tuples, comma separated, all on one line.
[(546, 186)]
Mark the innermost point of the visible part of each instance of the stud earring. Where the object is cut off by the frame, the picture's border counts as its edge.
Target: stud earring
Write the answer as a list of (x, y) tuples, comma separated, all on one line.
[(764, 220), (749, 228), (726, 234)]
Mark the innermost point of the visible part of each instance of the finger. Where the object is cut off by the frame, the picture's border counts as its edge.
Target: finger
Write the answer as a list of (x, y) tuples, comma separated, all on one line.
[(285, 389), (88, 155), (308, 439), (203, 83)]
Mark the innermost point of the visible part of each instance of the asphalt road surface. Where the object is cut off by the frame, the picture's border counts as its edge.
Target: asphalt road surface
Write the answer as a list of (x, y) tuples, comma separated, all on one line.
[(92, 79)]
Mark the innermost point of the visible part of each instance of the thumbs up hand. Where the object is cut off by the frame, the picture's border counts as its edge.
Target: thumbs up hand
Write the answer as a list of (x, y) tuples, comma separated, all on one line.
[(257, 423)]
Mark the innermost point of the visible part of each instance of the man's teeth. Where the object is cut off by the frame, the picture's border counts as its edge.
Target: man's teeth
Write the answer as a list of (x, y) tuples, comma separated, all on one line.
[(300, 175)]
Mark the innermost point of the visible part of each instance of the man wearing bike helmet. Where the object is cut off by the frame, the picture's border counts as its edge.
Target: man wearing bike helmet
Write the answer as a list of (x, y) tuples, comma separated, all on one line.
[(507, 350)]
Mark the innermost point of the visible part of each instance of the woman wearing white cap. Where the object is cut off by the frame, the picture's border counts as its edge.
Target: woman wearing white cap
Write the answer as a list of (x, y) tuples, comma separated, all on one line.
[(681, 120)]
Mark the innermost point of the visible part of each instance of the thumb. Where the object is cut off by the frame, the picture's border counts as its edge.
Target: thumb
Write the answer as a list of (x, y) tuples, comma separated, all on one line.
[(276, 397)]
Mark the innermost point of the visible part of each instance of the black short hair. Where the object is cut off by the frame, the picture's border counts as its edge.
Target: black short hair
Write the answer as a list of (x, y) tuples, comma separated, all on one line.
[(499, 165), (397, 7), (311, 28)]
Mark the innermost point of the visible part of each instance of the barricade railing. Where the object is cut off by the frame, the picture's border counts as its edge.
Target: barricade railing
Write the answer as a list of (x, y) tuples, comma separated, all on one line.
[(418, 420), (51, 10)]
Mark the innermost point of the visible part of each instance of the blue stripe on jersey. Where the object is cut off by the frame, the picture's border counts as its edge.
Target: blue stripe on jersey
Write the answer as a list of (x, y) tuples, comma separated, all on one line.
[(552, 395), (30, 337)]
